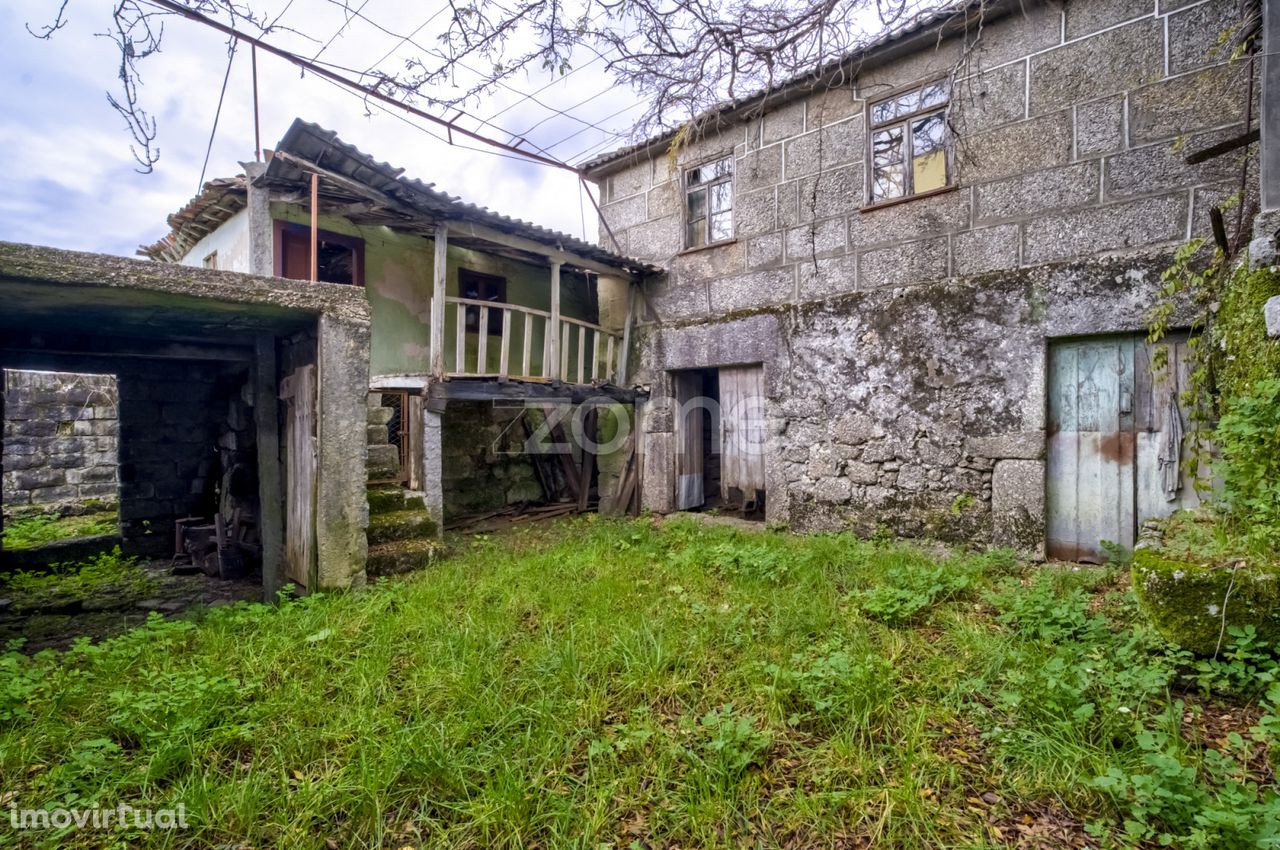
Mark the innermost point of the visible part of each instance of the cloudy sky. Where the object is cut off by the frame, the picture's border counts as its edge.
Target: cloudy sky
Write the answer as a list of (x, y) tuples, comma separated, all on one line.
[(70, 180)]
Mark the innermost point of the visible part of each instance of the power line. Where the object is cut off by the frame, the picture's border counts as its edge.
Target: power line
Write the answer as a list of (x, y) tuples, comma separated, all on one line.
[(339, 30), (216, 115), (319, 70)]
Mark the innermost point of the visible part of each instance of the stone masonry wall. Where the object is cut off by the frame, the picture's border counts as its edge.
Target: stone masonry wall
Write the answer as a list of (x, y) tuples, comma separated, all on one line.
[(484, 463), (905, 347), (60, 438)]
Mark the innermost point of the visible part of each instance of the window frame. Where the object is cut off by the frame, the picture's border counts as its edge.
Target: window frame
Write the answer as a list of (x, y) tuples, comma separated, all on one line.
[(730, 179), (355, 243), (905, 121), (472, 312)]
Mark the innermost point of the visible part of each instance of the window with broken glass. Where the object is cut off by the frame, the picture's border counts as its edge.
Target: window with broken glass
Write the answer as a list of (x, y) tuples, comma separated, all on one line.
[(708, 203), (909, 142)]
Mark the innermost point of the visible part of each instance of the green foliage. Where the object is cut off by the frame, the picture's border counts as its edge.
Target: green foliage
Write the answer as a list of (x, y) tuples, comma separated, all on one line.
[(1172, 801), (1245, 667), (1249, 438), (908, 590), (38, 529), (729, 743), (107, 574)]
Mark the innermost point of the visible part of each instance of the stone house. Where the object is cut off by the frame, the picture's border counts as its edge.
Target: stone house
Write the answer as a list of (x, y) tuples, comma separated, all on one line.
[(931, 262)]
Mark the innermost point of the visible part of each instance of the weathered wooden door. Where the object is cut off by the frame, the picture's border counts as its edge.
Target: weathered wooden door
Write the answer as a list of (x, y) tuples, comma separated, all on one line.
[(689, 419), (742, 430), (298, 391), (1114, 443)]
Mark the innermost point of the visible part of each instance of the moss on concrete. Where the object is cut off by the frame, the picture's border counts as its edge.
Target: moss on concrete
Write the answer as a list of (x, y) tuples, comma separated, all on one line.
[(401, 525), (1187, 601)]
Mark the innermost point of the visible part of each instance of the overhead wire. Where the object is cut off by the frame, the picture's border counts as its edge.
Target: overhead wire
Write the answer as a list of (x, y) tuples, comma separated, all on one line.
[(217, 114)]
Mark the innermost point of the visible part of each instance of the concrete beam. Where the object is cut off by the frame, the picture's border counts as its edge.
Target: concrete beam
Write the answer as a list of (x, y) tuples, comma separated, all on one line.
[(261, 234)]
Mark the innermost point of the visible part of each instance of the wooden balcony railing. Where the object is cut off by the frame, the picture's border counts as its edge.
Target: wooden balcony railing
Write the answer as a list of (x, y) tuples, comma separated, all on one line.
[(578, 353)]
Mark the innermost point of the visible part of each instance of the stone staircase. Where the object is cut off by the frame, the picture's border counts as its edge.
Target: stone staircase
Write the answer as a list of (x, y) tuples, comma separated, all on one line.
[(402, 534)]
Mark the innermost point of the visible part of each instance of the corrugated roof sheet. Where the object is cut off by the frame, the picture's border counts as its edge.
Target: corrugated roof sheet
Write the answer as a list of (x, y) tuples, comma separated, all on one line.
[(936, 18)]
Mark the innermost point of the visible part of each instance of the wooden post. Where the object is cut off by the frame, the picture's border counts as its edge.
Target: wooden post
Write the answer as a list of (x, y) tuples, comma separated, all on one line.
[(266, 415), (626, 335), (437, 302), (315, 227), (553, 325)]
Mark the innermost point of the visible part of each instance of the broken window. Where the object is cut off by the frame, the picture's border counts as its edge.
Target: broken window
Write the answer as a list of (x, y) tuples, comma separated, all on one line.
[(340, 259), (709, 203), (909, 141), (476, 286)]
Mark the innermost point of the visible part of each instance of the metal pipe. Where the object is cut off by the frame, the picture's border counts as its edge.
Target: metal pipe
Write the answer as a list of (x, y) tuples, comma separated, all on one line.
[(257, 132)]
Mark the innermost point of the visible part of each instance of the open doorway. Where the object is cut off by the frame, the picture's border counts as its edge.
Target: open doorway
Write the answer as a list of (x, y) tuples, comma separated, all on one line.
[(719, 431)]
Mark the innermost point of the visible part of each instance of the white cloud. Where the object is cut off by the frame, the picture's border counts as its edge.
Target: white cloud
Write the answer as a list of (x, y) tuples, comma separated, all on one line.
[(71, 180)]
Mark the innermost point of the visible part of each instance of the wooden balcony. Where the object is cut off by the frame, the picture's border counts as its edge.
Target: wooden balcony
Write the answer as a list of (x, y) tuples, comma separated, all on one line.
[(578, 352)]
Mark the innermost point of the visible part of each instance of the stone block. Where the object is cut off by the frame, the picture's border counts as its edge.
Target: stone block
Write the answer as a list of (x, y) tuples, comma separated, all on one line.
[(1089, 17), (664, 200), (630, 181), (833, 490), (1181, 105), (1022, 445), (1110, 228), (51, 495), (753, 289), (855, 428), (912, 477), (657, 240), (831, 193), (829, 147), (626, 213), (657, 487), (764, 251), (1163, 165), (672, 301), (1040, 191), (932, 60), (1028, 29), (1017, 148), (862, 473), (990, 99), (1017, 506), (1112, 61), (707, 263), (988, 249), (914, 262), (783, 123), (1195, 35), (832, 105), (1271, 311), (1100, 126), (823, 462), (830, 277), (756, 213), (816, 239), (932, 216), (759, 169)]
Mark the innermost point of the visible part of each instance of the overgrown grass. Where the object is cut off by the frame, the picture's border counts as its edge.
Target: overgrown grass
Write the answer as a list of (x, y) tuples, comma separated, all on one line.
[(39, 529), (626, 684), (108, 575)]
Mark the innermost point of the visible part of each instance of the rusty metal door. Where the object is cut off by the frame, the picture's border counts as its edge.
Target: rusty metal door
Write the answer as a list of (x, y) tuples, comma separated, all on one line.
[(688, 413), (1114, 442)]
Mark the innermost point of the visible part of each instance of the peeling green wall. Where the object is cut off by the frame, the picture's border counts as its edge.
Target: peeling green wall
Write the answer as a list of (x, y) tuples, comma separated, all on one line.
[(397, 273)]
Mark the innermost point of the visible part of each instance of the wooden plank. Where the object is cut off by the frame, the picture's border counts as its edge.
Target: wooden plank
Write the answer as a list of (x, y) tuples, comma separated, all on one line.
[(582, 353), (554, 349), (742, 429), (609, 373), (482, 343), (567, 468), (460, 340), (588, 466), (562, 341), (473, 388), (299, 390), (557, 256), (525, 365), (626, 334), (266, 417), (503, 355), (690, 487)]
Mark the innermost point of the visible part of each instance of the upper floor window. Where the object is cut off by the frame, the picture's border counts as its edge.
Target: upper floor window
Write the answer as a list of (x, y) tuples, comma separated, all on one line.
[(908, 142), (477, 286), (211, 260), (708, 203), (339, 259)]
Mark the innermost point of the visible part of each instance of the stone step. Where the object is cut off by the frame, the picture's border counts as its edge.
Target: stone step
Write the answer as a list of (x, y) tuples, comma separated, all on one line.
[(400, 526), (389, 498), (380, 415), (377, 435), (388, 559), (384, 462)]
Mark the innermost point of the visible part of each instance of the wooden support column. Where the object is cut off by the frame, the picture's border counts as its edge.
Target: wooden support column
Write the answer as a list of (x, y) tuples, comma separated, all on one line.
[(315, 227), (266, 415), (626, 335), (437, 302), (553, 325)]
